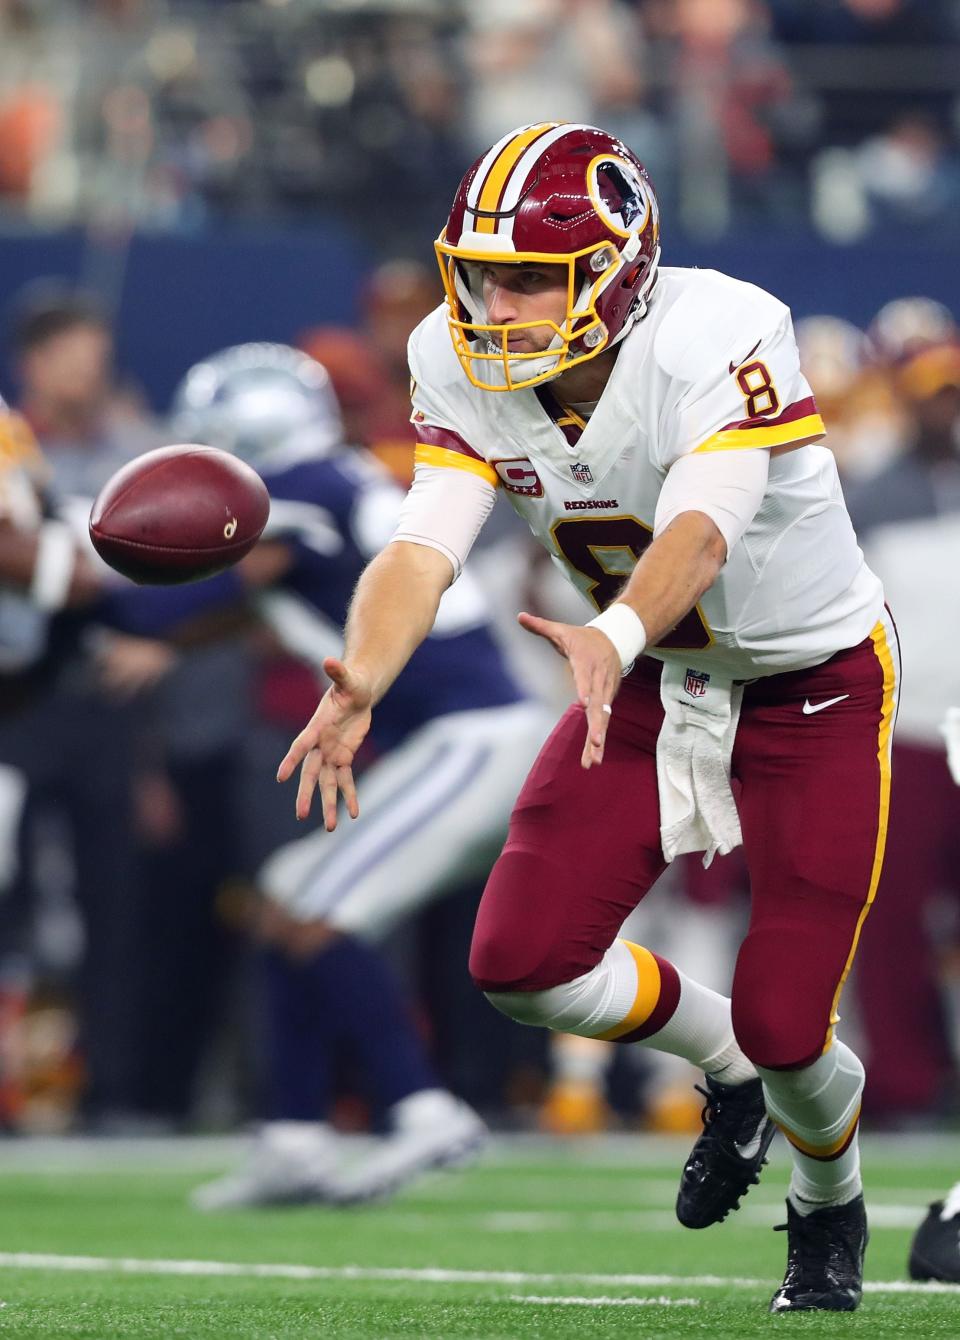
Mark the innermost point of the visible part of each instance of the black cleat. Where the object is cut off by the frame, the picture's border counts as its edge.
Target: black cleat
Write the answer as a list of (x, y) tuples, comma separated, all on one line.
[(935, 1250), (824, 1259), (730, 1151)]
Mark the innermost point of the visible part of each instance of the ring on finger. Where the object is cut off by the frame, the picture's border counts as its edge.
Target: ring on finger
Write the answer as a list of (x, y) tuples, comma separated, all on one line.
[(608, 709)]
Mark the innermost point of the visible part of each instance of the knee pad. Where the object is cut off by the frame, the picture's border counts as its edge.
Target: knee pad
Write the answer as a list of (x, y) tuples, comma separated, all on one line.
[(538, 1008), (588, 1005)]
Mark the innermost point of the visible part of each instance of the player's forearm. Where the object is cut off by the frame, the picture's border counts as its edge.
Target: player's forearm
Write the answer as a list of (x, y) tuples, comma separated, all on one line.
[(393, 610), (681, 564)]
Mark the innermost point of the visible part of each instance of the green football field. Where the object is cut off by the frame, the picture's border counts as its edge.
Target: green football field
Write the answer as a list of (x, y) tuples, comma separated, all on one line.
[(540, 1239)]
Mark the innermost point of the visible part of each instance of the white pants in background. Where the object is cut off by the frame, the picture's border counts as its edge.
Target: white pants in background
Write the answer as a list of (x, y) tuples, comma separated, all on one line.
[(433, 816)]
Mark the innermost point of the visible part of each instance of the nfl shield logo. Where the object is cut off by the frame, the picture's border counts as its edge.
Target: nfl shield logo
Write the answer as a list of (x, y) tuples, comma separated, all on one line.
[(581, 473), (696, 683)]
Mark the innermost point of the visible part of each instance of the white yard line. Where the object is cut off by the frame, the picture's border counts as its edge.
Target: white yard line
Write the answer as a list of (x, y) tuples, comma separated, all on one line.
[(752, 1215), (569, 1300), (128, 1265)]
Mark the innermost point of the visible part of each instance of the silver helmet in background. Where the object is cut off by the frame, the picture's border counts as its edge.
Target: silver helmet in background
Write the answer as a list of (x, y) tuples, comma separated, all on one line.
[(269, 404)]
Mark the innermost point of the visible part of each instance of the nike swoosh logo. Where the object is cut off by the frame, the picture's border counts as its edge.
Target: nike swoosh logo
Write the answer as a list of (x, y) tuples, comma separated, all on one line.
[(734, 366), (752, 1148), (809, 708)]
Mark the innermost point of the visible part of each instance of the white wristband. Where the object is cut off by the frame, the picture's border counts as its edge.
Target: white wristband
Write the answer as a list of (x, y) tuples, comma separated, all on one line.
[(53, 565), (624, 627)]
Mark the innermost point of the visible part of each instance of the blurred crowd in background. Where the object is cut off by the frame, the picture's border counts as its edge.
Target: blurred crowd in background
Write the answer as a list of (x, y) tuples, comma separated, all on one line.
[(838, 116), (137, 797)]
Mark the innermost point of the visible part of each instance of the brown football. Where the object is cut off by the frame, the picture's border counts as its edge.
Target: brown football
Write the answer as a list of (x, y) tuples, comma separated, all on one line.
[(178, 514)]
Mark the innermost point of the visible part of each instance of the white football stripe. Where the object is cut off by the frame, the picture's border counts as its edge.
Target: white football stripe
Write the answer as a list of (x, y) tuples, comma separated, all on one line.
[(476, 186), (129, 1265), (570, 1300), (518, 176)]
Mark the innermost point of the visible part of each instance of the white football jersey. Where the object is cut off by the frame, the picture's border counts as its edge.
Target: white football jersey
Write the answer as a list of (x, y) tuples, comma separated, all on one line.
[(713, 366)]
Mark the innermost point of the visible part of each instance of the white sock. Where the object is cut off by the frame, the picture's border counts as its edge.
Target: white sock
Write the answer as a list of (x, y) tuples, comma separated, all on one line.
[(701, 1031), (818, 1109), (951, 1203), (622, 993)]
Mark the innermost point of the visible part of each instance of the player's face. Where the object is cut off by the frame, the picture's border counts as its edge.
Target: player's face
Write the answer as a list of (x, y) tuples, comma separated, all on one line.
[(515, 294), (70, 370)]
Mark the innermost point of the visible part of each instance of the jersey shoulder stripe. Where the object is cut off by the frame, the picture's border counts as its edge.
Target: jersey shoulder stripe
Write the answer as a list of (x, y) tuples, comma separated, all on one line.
[(443, 447), (799, 422)]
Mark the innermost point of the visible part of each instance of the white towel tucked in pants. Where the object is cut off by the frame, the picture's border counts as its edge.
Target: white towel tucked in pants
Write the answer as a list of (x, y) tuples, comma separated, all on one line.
[(697, 809)]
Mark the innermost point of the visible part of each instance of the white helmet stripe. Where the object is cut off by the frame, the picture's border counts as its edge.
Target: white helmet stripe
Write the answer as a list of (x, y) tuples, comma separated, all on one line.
[(518, 176), (489, 158)]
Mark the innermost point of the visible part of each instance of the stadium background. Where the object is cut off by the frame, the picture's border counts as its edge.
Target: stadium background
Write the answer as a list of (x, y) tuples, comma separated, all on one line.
[(257, 158), (252, 169)]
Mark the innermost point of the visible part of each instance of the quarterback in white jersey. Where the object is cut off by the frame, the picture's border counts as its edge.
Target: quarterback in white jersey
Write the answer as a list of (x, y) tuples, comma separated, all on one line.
[(712, 368), (737, 685)]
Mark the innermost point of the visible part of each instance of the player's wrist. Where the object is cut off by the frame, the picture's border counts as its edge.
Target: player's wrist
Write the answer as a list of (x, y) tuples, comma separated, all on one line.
[(365, 680), (624, 627)]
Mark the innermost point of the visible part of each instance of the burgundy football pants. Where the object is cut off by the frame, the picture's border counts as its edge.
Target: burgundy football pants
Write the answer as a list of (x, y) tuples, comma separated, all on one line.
[(812, 789)]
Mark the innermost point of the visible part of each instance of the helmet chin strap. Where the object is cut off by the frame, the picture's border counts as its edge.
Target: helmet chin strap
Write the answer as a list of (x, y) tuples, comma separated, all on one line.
[(522, 368), (640, 303)]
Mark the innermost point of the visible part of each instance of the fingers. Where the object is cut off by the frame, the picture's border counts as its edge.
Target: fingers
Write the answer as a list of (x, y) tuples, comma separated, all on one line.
[(598, 721), (348, 788), (329, 795), (545, 628), (600, 693), (331, 782), (304, 742), (308, 780), (596, 674), (295, 755), (337, 672)]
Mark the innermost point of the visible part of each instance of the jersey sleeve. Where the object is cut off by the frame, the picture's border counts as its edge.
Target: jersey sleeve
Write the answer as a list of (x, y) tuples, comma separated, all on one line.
[(443, 437), (18, 444), (445, 510), (744, 389)]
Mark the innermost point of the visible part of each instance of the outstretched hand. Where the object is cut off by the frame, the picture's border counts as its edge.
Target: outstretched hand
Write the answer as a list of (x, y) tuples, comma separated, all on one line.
[(327, 744), (596, 674)]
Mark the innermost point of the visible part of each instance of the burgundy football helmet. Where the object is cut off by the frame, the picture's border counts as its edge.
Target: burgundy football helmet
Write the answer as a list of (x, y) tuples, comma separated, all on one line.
[(918, 341), (560, 194)]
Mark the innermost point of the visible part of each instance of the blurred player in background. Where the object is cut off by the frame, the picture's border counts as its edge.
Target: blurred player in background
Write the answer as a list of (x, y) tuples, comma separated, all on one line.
[(368, 366), (653, 428), (69, 400), (935, 1249), (453, 742), (179, 838), (907, 515), (87, 421), (867, 424)]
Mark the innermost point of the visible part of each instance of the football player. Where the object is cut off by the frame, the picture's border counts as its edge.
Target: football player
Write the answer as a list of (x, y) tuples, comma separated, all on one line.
[(935, 1249), (454, 741), (907, 516), (654, 429)]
